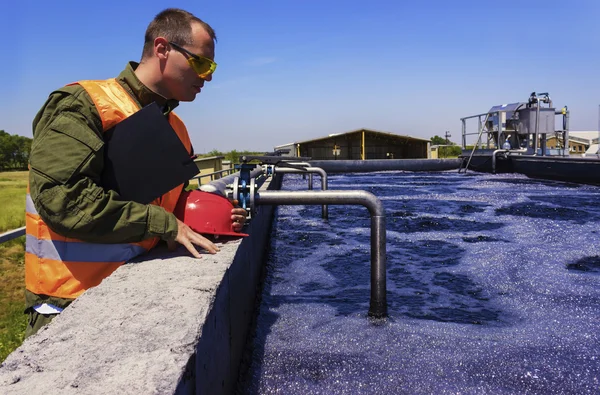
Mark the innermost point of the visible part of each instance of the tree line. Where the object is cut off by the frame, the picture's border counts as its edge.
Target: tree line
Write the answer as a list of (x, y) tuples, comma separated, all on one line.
[(233, 155), (14, 151), (447, 148)]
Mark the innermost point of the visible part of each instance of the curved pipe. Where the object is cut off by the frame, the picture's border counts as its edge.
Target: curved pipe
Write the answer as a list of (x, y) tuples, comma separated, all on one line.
[(310, 171), (494, 158), (378, 302), (503, 150)]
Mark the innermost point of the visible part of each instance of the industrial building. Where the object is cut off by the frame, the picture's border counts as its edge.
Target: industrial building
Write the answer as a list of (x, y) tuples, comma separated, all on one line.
[(359, 145), (580, 142)]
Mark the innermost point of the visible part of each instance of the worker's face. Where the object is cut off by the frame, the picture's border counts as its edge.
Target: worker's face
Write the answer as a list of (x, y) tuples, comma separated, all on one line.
[(179, 78)]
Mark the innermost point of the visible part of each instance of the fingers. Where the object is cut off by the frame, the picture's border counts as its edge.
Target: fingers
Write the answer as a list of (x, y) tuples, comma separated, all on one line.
[(187, 237), (238, 217), (190, 247), (238, 211), (204, 243)]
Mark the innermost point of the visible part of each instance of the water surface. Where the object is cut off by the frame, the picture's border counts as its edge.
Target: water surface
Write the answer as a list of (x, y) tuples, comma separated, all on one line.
[(493, 287)]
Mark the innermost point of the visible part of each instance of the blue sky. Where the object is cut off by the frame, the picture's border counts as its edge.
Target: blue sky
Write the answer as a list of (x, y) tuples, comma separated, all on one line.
[(295, 70)]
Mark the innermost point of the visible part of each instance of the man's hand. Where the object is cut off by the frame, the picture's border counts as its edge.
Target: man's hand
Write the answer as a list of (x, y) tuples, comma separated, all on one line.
[(187, 237), (238, 217)]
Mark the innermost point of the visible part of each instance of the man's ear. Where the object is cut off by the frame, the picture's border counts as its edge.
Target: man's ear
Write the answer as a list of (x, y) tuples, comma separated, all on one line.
[(161, 48)]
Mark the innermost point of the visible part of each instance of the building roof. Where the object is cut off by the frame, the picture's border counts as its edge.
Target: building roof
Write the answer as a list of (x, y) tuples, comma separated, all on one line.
[(592, 150), (587, 135), (387, 134)]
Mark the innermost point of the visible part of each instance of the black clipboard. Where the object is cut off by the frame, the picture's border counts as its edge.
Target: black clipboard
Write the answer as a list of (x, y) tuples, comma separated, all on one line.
[(144, 158)]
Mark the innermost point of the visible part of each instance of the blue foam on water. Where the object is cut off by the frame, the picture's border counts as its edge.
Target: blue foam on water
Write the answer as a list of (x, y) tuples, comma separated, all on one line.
[(493, 287)]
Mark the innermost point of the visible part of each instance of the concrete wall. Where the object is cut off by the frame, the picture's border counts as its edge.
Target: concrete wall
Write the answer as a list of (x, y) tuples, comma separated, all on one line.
[(166, 323), (207, 166), (349, 166)]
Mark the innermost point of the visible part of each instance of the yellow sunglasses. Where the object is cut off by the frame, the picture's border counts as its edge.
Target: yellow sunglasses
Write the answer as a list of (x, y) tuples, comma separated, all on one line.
[(201, 65)]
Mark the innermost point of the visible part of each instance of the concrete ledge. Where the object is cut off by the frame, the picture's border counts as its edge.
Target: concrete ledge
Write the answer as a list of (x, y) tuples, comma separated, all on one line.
[(371, 165), (164, 324)]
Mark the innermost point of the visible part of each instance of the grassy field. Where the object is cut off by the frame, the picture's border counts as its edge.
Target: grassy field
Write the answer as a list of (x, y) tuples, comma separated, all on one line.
[(13, 186)]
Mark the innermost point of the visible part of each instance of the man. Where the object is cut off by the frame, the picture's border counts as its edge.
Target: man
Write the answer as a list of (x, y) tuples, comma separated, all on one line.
[(77, 232)]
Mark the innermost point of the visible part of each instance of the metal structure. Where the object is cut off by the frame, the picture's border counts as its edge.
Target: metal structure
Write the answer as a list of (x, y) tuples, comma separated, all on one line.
[(270, 166), (378, 301), (244, 190), (521, 128)]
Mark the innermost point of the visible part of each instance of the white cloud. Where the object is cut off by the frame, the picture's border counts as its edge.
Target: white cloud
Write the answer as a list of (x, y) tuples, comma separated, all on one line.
[(260, 61)]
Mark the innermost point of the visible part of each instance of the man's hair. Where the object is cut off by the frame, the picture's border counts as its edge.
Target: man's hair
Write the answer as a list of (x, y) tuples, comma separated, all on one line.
[(175, 25)]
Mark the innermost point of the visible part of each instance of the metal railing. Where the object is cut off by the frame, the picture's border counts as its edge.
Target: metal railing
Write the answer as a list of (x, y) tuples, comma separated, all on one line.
[(12, 234), (220, 173)]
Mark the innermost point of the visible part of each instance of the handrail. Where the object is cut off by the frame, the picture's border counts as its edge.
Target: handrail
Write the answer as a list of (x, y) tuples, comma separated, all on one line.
[(12, 234), (199, 176), (483, 127)]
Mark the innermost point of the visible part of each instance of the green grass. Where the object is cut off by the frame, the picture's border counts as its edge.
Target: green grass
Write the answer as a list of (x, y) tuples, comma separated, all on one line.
[(13, 187)]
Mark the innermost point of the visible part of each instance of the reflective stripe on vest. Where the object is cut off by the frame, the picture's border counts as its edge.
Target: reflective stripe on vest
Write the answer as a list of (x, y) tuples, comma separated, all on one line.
[(65, 267)]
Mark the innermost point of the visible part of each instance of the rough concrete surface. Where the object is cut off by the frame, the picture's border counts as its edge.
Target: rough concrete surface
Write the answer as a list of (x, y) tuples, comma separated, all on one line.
[(134, 333)]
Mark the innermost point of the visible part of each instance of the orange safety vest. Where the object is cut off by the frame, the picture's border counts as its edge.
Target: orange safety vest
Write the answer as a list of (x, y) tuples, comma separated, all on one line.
[(64, 267)]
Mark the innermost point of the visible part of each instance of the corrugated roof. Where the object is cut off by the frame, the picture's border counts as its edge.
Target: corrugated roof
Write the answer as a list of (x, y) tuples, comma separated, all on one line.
[(360, 130)]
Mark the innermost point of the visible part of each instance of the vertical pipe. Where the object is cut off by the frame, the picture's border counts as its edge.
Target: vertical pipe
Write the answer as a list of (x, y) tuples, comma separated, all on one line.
[(362, 146), (378, 302), (324, 187), (537, 127), (310, 181), (567, 115), (464, 134), (500, 129), (298, 150)]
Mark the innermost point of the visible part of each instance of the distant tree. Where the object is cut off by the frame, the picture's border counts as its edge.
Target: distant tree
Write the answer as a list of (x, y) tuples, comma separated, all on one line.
[(14, 151), (215, 152), (437, 140), (449, 152)]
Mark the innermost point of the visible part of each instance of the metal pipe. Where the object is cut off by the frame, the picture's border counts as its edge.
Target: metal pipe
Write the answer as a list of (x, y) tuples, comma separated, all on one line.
[(310, 181), (464, 134), (503, 150), (220, 185), (378, 302), (494, 159), (537, 128), (500, 129), (566, 138), (371, 165), (305, 164), (310, 171), (479, 129)]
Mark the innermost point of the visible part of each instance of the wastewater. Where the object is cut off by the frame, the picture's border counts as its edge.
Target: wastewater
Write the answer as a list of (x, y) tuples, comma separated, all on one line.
[(493, 286)]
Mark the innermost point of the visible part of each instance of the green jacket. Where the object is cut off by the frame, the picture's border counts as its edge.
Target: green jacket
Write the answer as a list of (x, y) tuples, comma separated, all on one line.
[(66, 162)]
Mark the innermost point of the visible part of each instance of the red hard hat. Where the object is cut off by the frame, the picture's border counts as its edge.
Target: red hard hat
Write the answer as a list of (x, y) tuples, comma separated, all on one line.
[(206, 213)]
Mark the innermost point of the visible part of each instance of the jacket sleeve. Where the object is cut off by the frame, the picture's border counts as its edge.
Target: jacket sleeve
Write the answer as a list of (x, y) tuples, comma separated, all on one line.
[(66, 162)]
